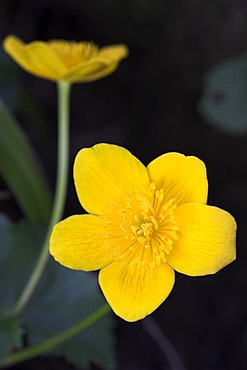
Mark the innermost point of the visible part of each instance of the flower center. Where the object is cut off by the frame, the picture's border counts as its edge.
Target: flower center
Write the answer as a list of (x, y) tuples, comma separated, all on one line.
[(142, 227), (74, 52)]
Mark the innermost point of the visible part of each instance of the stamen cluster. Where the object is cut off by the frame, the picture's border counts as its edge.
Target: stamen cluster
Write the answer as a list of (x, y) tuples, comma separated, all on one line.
[(145, 226), (74, 52)]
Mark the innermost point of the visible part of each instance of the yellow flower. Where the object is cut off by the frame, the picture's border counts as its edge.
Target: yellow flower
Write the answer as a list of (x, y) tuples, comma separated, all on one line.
[(60, 60), (144, 223)]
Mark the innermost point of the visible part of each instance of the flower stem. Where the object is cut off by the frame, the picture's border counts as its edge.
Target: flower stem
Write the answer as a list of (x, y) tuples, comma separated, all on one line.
[(56, 340), (164, 344), (60, 194)]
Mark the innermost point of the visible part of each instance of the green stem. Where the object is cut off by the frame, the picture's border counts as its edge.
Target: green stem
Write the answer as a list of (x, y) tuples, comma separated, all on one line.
[(56, 340), (164, 344), (60, 194)]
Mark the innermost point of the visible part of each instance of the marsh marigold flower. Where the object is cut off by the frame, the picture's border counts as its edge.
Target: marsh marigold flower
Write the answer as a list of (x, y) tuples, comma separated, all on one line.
[(144, 223), (60, 60)]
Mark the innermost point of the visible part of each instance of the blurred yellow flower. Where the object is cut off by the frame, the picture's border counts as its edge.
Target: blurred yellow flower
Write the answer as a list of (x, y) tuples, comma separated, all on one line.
[(144, 223), (60, 60)]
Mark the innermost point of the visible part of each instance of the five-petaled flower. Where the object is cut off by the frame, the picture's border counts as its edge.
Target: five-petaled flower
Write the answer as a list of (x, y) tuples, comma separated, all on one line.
[(60, 60), (144, 223)]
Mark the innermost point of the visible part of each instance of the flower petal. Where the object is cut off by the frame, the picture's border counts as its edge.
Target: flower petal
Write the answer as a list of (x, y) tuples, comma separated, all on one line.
[(88, 71), (75, 243), (107, 172), (113, 52), (206, 240), (134, 293), (103, 64), (37, 57), (183, 178)]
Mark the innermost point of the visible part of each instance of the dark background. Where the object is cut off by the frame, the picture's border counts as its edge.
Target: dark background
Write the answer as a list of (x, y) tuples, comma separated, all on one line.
[(149, 105)]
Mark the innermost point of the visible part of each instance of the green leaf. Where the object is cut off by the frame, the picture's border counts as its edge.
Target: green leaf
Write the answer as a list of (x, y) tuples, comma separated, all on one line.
[(10, 335), (62, 298), (11, 84), (19, 168), (19, 248), (224, 99)]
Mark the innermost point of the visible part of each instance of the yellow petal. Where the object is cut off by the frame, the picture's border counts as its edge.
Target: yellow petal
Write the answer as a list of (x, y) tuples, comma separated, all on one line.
[(90, 71), (75, 243), (104, 63), (72, 53), (183, 178), (134, 293), (37, 58), (113, 52), (206, 240), (105, 173)]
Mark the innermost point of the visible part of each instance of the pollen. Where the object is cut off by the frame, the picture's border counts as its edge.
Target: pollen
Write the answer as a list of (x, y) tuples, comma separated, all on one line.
[(144, 226)]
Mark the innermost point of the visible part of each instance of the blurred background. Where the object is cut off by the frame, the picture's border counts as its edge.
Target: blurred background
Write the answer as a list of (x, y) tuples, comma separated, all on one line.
[(157, 101)]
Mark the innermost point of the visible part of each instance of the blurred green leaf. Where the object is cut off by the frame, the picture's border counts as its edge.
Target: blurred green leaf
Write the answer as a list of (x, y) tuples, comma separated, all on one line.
[(20, 170), (65, 297), (224, 99), (19, 248), (11, 85), (62, 298), (10, 335)]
